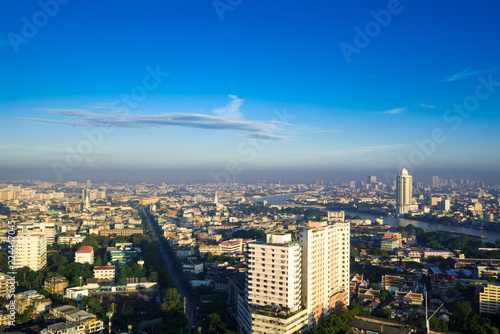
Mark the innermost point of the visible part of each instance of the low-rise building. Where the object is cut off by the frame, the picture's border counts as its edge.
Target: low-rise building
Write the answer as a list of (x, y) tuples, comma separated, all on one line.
[(76, 322), (85, 254), (56, 285), (105, 273), (389, 244), (5, 284)]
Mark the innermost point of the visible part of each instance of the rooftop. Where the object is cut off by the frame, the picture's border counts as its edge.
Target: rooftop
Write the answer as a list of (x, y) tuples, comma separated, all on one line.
[(85, 249)]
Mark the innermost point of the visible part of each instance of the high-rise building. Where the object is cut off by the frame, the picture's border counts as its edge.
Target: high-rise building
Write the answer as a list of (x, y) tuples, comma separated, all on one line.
[(325, 268), (371, 179), (444, 205), (403, 192), (30, 251), (435, 181), (292, 285), (273, 285)]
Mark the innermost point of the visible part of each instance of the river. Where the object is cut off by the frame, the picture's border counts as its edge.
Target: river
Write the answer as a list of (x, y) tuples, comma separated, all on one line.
[(393, 221)]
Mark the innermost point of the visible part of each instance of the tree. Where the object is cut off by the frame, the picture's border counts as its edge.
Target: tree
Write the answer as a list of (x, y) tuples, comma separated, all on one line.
[(461, 311), (153, 276), (209, 256), (384, 295)]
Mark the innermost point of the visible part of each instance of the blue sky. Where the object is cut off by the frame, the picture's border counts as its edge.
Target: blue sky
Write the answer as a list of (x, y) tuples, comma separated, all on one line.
[(266, 85)]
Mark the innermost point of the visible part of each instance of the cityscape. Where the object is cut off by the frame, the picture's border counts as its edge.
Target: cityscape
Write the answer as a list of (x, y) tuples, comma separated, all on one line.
[(232, 166)]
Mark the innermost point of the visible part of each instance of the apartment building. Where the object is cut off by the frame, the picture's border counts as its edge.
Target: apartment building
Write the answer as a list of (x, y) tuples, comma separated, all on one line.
[(489, 299), (291, 285), (5, 284), (325, 268), (274, 287), (30, 251)]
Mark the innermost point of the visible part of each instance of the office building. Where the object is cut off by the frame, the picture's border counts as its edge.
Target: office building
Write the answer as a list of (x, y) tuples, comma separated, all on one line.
[(403, 192), (30, 251), (371, 179)]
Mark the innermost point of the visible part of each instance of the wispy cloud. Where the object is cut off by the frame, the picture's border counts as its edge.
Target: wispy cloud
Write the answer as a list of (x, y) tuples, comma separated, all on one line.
[(265, 136), (468, 72), (227, 118), (232, 109), (395, 111), (428, 106)]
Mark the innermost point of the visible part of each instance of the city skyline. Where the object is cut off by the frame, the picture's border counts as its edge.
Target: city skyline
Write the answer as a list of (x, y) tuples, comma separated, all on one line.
[(250, 91)]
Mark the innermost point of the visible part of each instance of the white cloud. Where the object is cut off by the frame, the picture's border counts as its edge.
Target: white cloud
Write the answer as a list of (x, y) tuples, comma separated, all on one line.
[(265, 136), (232, 109), (395, 111), (468, 73), (227, 118), (429, 106)]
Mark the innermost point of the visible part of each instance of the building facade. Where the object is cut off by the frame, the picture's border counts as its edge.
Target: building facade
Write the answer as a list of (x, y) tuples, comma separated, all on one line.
[(30, 251), (325, 268), (106, 273), (273, 286)]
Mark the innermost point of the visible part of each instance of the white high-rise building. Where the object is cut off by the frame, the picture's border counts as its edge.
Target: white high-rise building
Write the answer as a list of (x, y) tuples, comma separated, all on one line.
[(30, 251), (403, 192), (292, 285), (273, 284), (325, 268)]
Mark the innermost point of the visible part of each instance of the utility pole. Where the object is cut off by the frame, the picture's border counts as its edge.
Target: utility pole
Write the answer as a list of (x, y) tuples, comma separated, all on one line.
[(426, 315), (189, 320)]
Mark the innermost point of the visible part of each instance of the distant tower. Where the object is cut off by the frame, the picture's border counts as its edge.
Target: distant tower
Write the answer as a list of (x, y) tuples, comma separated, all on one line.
[(403, 192), (371, 179), (87, 201), (216, 198), (435, 181)]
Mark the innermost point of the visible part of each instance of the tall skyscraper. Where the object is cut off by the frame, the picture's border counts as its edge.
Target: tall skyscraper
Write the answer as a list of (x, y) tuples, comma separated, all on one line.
[(403, 192), (371, 179), (292, 285)]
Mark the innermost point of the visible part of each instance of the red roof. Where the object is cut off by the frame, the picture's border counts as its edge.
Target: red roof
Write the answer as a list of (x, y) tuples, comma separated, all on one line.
[(85, 249), (104, 268)]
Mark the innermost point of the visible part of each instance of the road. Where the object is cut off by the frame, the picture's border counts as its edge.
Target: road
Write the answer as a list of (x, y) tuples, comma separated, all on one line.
[(176, 276)]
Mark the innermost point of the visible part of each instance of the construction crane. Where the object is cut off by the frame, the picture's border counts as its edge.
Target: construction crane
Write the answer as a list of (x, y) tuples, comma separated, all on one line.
[(427, 318)]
